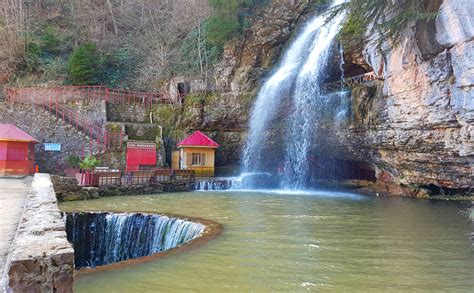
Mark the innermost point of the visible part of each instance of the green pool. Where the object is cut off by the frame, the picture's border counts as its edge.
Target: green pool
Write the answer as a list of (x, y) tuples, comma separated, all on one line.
[(319, 241)]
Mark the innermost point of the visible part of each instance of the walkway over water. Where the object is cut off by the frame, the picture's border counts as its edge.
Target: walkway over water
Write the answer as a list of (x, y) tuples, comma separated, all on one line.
[(363, 79), (13, 194)]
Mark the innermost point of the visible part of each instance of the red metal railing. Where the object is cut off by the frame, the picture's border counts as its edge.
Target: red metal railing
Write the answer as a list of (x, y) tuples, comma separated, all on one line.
[(93, 93), (54, 100), (54, 104), (128, 97), (123, 178)]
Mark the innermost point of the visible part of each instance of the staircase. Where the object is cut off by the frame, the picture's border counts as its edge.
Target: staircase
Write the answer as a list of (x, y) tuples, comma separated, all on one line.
[(56, 101)]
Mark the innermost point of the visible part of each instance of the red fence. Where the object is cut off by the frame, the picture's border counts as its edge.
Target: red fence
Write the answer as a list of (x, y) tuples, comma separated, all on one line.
[(91, 93), (54, 100), (122, 178), (53, 103)]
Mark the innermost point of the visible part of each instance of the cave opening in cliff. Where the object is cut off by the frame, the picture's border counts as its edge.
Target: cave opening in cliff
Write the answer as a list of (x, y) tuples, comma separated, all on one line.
[(446, 191), (330, 169), (184, 88)]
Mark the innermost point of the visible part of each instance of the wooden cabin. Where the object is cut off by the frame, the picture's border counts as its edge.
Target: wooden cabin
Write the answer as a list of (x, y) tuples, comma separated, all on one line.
[(17, 151), (196, 152)]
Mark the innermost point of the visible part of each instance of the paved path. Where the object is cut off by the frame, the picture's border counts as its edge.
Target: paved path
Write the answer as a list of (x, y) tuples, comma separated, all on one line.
[(12, 199)]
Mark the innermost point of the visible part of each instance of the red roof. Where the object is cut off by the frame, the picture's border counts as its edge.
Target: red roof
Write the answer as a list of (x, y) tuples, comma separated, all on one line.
[(9, 132), (198, 139)]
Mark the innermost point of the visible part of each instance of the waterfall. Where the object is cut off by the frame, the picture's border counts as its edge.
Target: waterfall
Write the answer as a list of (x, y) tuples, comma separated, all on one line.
[(105, 238), (297, 79)]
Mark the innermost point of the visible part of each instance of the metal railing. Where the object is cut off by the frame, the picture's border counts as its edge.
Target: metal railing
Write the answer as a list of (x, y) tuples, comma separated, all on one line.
[(93, 93), (98, 178), (105, 140), (351, 81)]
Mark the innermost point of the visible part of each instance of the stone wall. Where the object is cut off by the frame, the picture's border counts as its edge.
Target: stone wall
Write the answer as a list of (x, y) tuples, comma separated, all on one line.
[(91, 105), (68, 189), (42, 259), (133, 113), (45, 128)]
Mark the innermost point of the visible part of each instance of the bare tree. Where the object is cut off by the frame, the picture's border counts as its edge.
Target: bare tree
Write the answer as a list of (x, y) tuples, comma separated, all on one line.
[(12, 31)]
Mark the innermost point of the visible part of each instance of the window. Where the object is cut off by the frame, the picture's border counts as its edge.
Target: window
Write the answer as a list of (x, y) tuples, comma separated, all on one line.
[(199, 159)]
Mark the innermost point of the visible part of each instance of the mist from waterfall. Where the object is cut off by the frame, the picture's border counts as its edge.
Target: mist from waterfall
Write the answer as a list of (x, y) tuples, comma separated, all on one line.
[(297, 79)]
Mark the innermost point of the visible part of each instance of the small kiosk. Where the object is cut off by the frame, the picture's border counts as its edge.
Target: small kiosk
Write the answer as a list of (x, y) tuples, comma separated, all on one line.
[(17, 151), (196, 152)]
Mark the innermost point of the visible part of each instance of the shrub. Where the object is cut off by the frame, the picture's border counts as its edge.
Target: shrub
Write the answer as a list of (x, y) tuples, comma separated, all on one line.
[(117, 66), (50, 43), (85, 65), (219, 29), (73, 161), (89, 163)]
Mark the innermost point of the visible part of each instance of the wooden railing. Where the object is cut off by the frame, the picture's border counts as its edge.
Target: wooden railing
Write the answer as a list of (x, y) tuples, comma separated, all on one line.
[(351, 81)]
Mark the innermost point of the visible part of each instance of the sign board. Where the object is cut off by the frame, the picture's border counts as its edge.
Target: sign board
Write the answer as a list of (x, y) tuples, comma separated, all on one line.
[(52, 147), (140, 154), (141, 145)]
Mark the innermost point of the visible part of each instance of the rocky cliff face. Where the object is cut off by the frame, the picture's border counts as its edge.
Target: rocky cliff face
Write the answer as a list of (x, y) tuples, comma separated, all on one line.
[(223, 115), (419, 128)]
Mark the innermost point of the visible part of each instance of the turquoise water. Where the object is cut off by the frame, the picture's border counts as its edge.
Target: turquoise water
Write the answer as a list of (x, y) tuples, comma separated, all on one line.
[(300, 242)]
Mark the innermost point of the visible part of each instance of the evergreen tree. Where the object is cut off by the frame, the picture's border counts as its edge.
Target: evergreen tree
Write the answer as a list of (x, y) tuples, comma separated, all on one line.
[(85, 65)]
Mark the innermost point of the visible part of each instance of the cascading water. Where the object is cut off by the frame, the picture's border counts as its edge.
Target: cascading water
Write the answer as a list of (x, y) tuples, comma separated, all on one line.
[(299, 78), (105, 238)]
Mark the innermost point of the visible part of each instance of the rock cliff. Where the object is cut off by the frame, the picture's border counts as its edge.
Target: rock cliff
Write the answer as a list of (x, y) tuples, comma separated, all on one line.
[(421, 130)]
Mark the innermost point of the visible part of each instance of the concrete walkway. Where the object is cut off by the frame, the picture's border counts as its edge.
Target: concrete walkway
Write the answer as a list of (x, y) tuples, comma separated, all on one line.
[(13, 193)]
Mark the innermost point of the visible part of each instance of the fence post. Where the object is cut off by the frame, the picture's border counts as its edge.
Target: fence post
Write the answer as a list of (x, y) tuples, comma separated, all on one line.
[(107, 94)]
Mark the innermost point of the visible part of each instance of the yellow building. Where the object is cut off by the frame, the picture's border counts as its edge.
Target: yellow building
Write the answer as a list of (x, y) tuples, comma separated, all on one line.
[(195, 152)]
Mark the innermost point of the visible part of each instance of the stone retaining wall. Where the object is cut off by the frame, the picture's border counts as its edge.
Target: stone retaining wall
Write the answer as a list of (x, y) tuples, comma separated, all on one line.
[(44, 127), (68, 189), (42, 260)]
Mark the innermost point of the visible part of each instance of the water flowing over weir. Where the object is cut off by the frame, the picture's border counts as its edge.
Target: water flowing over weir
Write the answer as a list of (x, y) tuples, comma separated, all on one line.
[(105, 238), (295, 84)]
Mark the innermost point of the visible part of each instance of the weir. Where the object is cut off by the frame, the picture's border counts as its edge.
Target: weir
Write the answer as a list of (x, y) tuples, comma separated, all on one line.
[(105, 238)]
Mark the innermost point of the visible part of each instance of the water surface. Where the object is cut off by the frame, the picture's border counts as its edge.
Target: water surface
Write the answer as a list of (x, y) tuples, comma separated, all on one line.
[(300, 242)]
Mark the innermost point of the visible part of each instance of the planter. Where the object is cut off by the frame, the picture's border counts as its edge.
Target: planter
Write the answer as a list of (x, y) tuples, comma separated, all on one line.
[(71, 172)]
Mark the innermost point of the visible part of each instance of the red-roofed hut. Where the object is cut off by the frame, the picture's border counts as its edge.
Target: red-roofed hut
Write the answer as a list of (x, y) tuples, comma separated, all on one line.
[(196, 152), (17, 151)]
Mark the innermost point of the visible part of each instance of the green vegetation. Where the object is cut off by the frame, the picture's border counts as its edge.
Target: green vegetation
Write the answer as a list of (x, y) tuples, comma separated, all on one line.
[(50, 42), (387, 18), (137, 45), (73, 161), (89, 163), (203, 46), (84, 65)]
